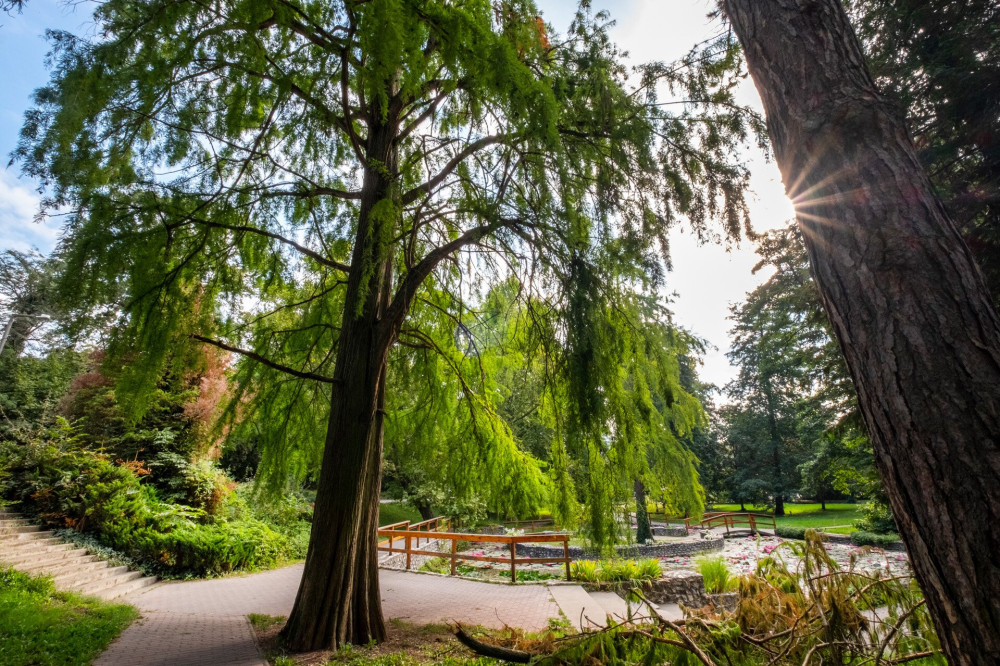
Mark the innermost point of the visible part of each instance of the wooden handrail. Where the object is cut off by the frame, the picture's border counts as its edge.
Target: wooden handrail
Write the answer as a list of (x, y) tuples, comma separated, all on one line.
[(394, 533), (733, 519)]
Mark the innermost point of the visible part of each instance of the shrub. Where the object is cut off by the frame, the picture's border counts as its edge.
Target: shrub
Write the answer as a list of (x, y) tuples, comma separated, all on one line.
[(862, 538), (876, 516), (66, 486), (584, 570), (787, 532), (615, 571), (716, 575)]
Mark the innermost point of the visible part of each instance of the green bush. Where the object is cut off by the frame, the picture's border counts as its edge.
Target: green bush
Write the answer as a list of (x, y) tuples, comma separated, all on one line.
[(876, 517), (861, 538), (66, 486), (790, 532)]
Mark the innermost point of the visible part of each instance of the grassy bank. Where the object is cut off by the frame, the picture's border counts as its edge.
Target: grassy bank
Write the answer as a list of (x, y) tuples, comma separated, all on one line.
[(42, 627), (838, 518)]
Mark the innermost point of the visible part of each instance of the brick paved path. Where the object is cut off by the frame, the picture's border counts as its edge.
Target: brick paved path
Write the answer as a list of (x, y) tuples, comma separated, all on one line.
[(204, 623)]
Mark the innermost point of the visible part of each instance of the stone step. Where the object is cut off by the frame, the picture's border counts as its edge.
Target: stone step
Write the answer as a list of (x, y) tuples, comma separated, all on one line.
[(55, 560), (582, 610), (7, 520), (82, 566), (126, 588), (30, 535), (8, 527), (19, 548), (105, 581), (10, 515)]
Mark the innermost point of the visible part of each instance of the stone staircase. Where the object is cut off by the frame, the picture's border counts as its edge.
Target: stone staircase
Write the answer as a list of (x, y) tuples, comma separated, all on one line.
[(591, 610), (27, 548)]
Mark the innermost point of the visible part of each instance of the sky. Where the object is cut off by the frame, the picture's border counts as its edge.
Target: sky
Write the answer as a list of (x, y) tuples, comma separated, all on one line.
[(706, 279)]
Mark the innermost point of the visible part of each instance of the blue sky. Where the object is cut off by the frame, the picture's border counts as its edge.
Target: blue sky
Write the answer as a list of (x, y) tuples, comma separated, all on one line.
[(706, 278)]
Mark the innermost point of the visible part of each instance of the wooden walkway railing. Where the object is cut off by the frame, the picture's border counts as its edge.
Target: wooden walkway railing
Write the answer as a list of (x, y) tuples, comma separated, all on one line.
[(733, 520), (412, 535)]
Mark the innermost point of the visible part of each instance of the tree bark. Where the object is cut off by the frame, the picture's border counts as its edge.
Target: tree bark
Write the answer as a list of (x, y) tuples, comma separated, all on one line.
[(905, 299), (643, 532), (338, 600)]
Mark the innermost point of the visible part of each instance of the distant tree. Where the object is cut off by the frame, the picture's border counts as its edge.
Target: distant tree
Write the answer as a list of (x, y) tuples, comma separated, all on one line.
[(32, 384)]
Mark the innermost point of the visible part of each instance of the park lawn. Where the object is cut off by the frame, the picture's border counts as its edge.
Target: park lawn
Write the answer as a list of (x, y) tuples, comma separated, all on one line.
[(42, 627), (838, 518), (397, 512)]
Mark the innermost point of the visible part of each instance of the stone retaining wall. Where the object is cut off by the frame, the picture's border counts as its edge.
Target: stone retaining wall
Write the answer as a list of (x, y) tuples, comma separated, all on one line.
[(692, 546)]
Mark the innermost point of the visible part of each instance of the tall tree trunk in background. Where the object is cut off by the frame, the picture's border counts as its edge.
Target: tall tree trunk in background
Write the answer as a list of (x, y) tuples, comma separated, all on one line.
[(906, 301), (643, 531), (778, 488), (338, 600)]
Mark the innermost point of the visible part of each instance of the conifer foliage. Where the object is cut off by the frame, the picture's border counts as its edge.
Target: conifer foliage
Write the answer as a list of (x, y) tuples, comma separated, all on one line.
[(296, 182)]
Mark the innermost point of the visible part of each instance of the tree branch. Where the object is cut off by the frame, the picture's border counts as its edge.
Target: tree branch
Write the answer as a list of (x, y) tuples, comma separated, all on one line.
[(264, 361), (312, 254), (414, 194), (407, 290)]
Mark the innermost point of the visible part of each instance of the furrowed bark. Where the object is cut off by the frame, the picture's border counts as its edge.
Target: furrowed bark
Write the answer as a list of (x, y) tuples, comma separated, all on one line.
[(906, 301), (338, 600)]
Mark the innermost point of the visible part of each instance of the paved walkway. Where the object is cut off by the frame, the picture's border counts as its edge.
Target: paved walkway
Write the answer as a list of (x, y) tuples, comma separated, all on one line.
[(204, 623)]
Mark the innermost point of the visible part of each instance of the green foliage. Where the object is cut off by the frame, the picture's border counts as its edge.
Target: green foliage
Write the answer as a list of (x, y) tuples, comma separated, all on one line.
[(67, 486), (876, 516), (42, 627), (814, 610), (397, 512), (793, 425), (861, 538), (716, 575), (615, 571), (531, 576), (232, 212), (791, 532)]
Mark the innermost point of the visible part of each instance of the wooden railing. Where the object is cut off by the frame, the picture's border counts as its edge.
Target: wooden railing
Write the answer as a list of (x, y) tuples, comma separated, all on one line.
[(411, 539), (427, 526), (529, 524), (733, 520)]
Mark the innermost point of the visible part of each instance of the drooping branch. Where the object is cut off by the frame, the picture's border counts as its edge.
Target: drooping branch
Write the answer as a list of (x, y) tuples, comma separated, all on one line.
[(312, 254), (428, 187), (263, 360), (407, 290)]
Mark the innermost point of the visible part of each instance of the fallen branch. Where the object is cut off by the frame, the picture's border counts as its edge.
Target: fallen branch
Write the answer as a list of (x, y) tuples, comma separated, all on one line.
[(487, 650)]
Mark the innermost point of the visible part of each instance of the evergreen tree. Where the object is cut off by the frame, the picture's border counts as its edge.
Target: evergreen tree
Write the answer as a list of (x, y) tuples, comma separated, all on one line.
[(291, 181)]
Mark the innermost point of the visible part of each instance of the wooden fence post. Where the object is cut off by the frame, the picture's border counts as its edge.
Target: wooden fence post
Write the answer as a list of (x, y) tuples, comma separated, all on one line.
[(454, 554), (566, 555), (408, 552), (513, 562)]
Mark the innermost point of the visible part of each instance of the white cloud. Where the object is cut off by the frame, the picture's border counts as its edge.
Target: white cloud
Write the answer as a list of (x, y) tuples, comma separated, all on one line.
[(18, 206)]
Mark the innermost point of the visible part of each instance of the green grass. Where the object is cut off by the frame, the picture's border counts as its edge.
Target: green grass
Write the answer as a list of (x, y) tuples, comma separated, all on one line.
[(397, 512), (263, 622), (716, 575), (838, 518), (39, 626)]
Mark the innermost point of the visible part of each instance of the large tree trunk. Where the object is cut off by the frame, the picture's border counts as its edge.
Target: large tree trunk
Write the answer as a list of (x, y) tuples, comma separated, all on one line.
[(906, 301), (338, 600)]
